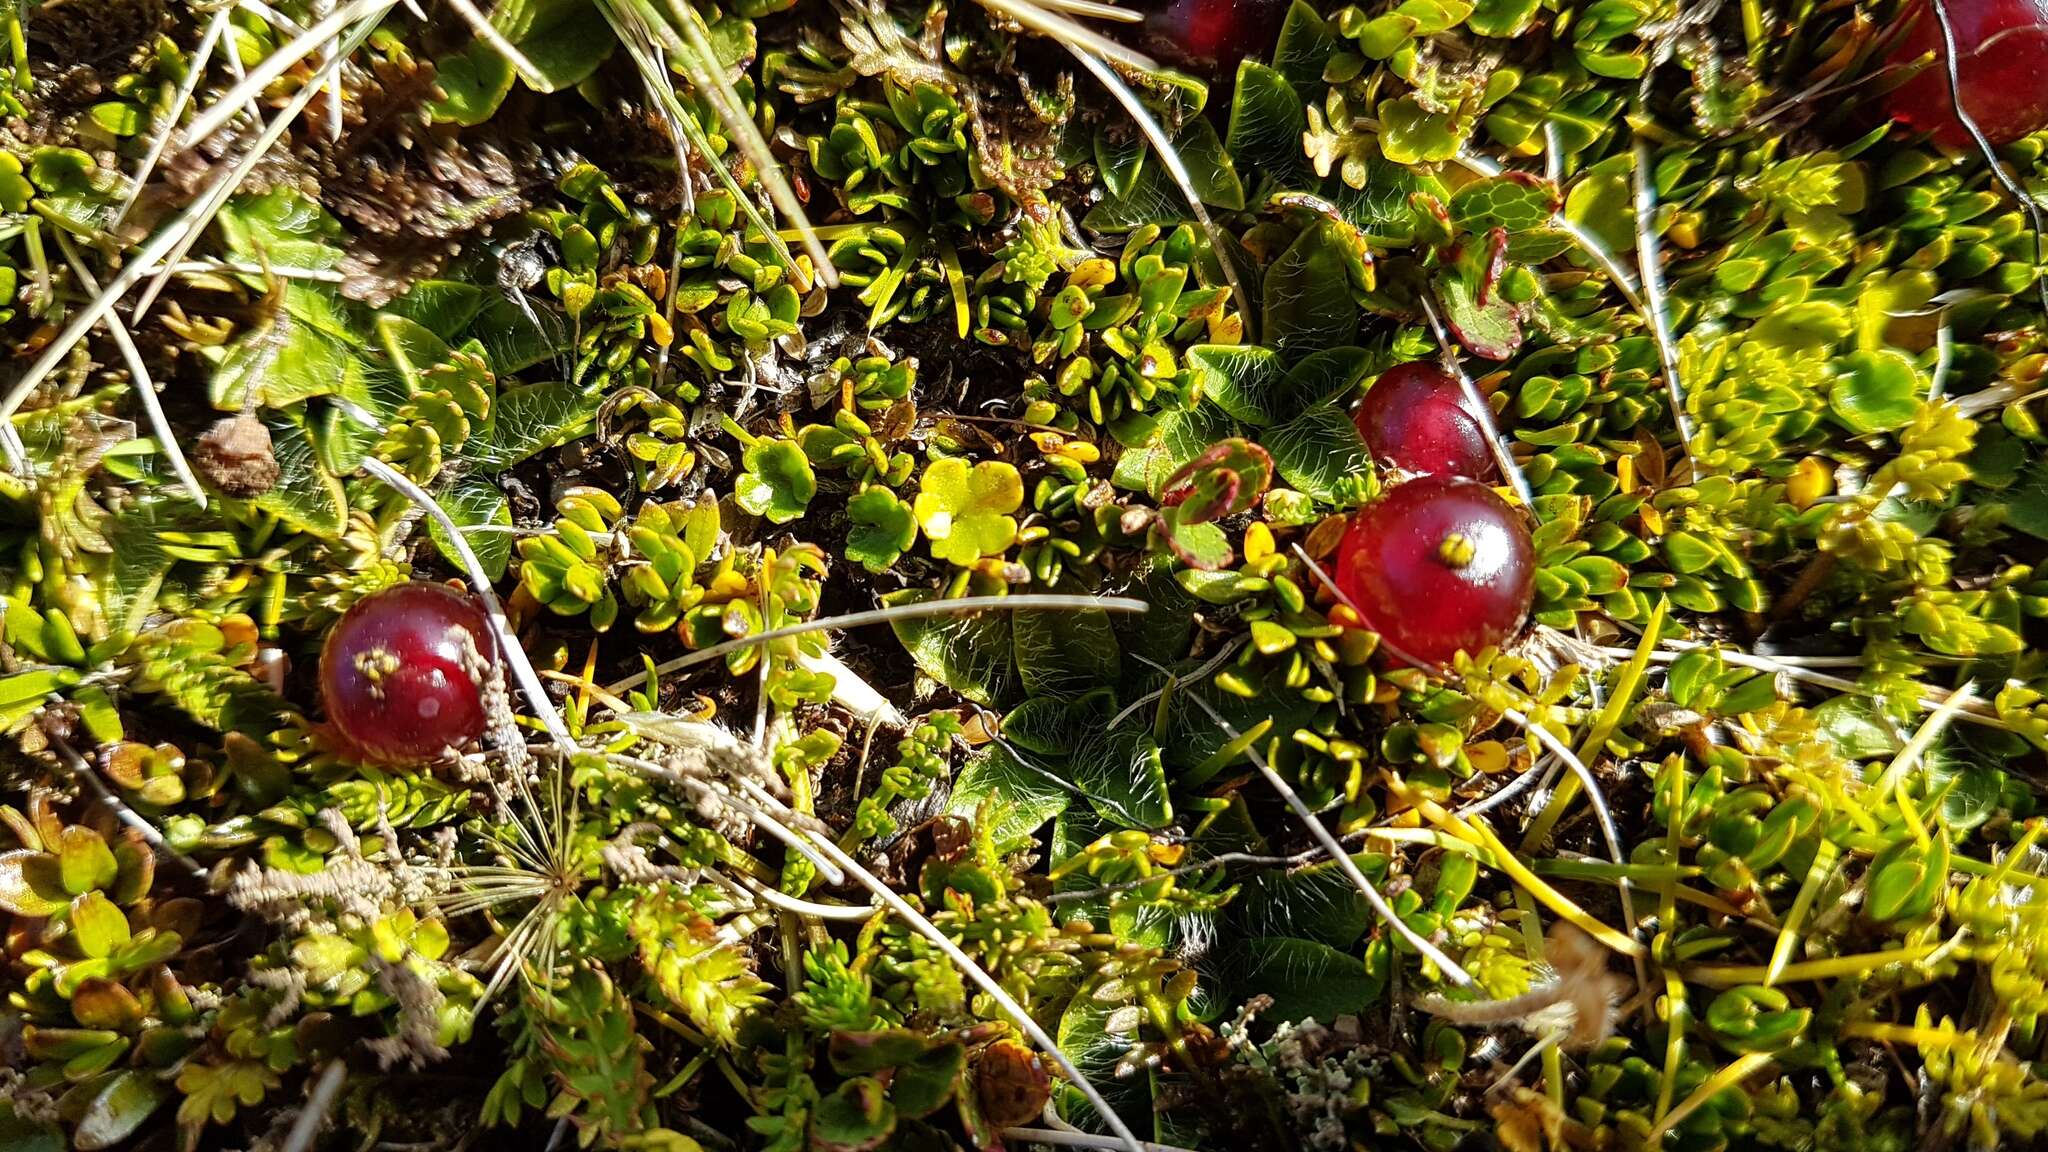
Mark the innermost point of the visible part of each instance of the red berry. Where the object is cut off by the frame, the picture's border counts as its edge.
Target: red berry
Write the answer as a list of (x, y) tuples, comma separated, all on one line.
[(1416, 418), (2001, 69), (399, 672), (1436, 566), (1222, 31)]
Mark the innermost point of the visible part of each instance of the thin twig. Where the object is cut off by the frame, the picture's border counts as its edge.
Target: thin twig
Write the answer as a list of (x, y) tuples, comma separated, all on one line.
[(987, 983), (194, 70), (1062, 1138), (963, 604), (153, 252), (318, 1104), (1998, 171), (1479, 407), (83, 772), (508, 641), (768, 894), (1650, 261), (145, 388), (1349, 867)]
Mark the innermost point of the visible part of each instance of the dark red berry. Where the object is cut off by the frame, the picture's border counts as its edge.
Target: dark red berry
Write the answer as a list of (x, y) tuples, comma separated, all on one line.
[(1415, 417), (1437, 566), (401, 672), (2001, 69), (1221, 32)]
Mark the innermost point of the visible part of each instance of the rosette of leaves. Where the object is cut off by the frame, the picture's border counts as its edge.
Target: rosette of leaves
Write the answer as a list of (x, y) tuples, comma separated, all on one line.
[(346, 969), (733, 297), (654, 557), (655, 435), (893, 1079), (967, 512), (566, 569), (102, 1013), (669, 544), (899, 272), (605, 251), (776, 481), (747, 594), (907, 152), (1585, 555), (1006, 294), (1070, 518), (1295, 411), (865, 450), (1114, 335), (1224, 481), (450, 397), (868, 383)]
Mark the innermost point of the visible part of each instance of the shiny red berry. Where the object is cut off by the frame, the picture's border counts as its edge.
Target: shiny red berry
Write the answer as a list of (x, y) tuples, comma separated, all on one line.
[(2001, 69), (1215, 31), (1415, 417), (401, 671), (1437, 566)]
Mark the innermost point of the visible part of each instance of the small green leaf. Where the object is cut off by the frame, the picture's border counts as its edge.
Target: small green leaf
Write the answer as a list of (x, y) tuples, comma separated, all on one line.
[(1516, 201), (443, 307), (1243, 380), (883, 528), (118, 117), (970, 654), (965, 512), (1266, 123), (115, 1111), (1309, 979), (84, 861), (98, 926), (564, 40), (1019, 801), (1317, 451), (473, 83), (31, 883), (1856, 729), (1309, 304), (1064, 654), (1875, 391), (1489, 329), (473, 501), (1410, 134), (1907, 878), (306, 495)]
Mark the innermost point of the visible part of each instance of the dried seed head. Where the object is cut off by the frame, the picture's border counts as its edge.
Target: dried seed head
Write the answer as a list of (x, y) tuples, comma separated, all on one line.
[(235, 456)]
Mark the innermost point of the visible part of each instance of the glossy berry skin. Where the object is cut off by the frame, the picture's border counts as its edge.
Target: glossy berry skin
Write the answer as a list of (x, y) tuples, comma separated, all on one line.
[(1218, 31), (398, 672), (1438, 565), (2001, 69), (1415, 417)]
